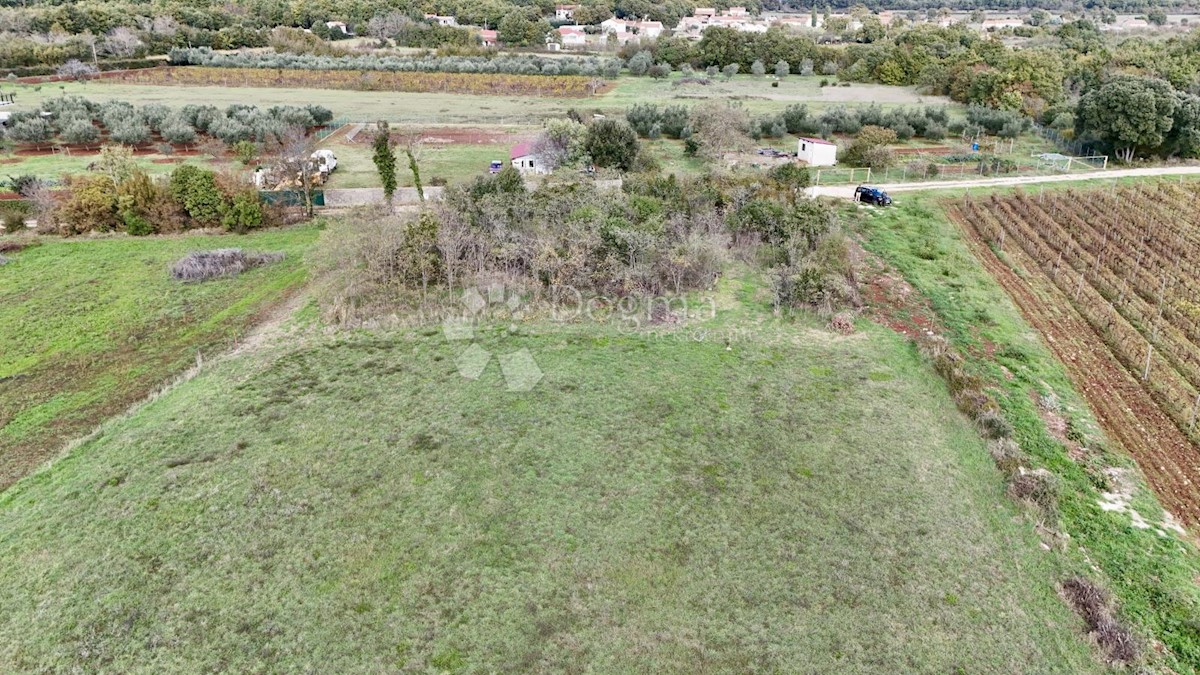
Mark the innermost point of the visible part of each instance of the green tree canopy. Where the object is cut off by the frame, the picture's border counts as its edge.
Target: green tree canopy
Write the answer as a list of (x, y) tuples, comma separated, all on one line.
[(1133, 114)]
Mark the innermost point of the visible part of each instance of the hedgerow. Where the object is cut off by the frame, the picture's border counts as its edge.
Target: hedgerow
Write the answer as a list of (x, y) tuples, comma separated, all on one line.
[(509, 65)]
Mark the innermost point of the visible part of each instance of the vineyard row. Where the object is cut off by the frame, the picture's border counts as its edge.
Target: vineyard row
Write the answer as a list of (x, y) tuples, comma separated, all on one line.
[(1126, 260)]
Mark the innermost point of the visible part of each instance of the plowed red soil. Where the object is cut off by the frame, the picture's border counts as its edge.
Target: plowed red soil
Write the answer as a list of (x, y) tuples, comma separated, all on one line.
[(1125, 410)]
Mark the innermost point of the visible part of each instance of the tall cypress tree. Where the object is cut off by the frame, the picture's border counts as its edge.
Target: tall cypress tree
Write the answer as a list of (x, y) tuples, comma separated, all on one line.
[(385, 161)]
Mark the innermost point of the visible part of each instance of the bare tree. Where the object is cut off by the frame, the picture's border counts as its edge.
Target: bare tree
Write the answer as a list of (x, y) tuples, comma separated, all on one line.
[(121, 42), (453, 239), (384, 26), (720, 127), (291, 153), (44, 202), (164, 25), (77, 70)]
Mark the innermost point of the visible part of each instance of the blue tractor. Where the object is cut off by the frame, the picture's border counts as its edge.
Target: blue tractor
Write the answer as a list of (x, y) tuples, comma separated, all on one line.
[(871, 195)]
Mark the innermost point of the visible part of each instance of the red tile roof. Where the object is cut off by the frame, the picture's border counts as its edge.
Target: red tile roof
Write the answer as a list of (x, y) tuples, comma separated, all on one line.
[(521, 150)]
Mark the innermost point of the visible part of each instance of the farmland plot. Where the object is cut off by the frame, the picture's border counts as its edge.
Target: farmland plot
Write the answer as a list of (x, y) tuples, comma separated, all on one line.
[(1111, 279), (493, 84)]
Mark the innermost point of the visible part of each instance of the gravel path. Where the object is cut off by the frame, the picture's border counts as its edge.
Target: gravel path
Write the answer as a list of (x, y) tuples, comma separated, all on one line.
[(847, 191)]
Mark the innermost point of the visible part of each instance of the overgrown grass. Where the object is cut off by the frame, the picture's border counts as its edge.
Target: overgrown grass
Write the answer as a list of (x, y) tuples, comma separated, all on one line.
[(452, 162), (789, 499), (55, 166), (1153, 577), (91, 326)]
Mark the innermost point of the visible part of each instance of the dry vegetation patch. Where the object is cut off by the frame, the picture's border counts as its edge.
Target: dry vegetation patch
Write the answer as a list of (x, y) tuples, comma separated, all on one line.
[(223, 262)]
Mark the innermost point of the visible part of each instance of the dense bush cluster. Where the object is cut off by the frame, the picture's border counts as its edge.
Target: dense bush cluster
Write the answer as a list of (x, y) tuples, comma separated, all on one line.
[(511, 65), (658, 235), (119, 197), (907, 122), (650, 121), (78, 121), (34, 42), (1003, 123), (680, 122)]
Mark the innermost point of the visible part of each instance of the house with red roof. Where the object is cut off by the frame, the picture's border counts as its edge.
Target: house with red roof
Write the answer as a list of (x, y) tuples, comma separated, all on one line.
[(572, 36), (488, 38), (524, 160), (816, 151)]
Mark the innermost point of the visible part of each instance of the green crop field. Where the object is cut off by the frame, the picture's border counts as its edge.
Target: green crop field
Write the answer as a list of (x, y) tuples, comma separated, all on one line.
[(91, 326), (783, 498)]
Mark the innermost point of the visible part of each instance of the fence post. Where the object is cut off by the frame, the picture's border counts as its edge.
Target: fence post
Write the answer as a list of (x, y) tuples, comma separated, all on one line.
[(1146, 370)]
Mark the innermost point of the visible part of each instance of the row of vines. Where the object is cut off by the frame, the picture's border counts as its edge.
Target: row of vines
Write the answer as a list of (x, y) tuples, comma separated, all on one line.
[(567, 86), (1127, 260)]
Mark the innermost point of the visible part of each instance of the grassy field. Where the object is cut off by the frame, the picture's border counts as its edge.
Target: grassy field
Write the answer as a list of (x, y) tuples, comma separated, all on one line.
[(454, 162), (53, 166), (432, 108), (91, 326), (1151, 571), (795, 500)]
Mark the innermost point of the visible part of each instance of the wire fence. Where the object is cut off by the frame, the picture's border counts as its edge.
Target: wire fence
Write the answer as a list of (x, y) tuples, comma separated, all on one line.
[(1070, 146), (914, 172), (329, 129)]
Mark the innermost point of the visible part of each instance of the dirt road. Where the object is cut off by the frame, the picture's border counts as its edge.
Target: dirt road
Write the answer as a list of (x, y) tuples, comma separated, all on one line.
[(847, 191)]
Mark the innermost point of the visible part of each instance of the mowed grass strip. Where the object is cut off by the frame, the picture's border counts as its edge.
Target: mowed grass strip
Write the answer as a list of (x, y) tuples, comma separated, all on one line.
[(92, 326), (799, 502)]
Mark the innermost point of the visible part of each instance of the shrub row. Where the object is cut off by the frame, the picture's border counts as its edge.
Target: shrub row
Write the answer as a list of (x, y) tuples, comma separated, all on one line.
[(74, 120), (925, 122), (131, 201), (105, 66), (511, 65)]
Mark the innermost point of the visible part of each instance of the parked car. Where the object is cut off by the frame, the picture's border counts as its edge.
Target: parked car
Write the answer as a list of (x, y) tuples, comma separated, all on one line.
[(495, 166), (872, 195)]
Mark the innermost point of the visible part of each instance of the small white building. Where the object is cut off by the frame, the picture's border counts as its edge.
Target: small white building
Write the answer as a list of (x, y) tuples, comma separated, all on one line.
[(614, 25), (565, 12), (572, 37), (441, 20), (816, 152), (338, 26), (487, 38), (524, 160), (999, 24), (649, 29)]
